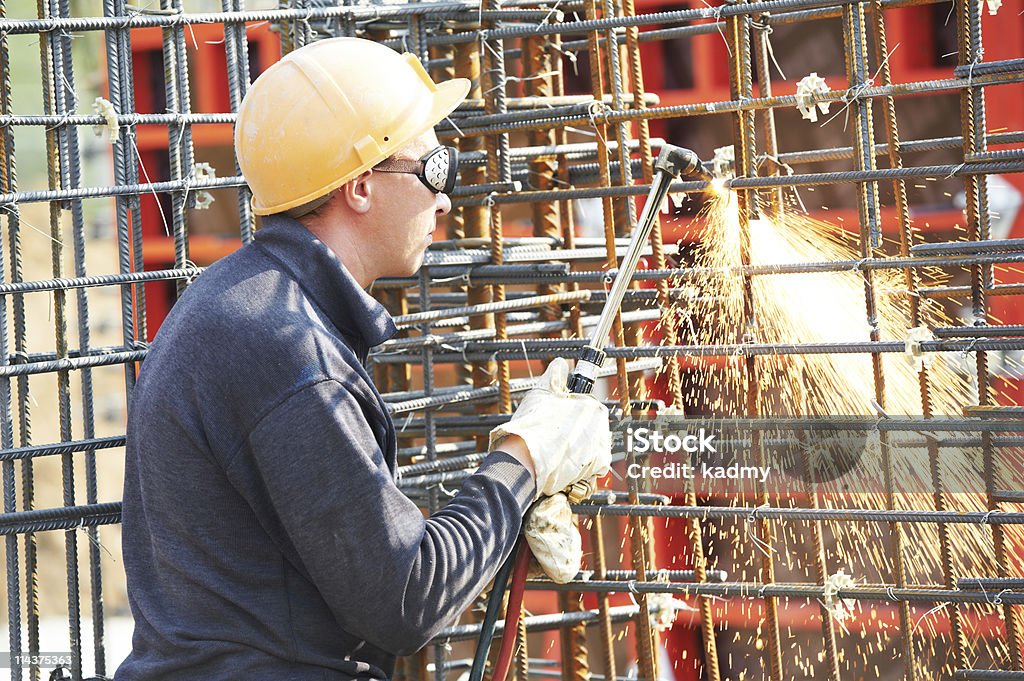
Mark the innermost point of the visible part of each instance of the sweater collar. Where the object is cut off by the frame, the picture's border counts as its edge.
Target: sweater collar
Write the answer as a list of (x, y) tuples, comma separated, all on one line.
[(320, 272)]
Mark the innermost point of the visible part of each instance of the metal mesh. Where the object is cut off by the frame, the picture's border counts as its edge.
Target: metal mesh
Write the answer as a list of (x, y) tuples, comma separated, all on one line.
[(101, 234)]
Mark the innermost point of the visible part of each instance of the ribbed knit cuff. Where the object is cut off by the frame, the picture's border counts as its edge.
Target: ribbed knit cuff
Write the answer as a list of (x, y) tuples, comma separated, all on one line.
[(504, 468)]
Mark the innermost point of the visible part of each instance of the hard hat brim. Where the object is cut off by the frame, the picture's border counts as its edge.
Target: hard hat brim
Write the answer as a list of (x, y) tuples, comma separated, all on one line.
[(446, 98)]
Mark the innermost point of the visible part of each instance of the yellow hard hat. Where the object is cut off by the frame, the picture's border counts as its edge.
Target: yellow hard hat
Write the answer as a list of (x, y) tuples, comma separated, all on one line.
[(327, 112)]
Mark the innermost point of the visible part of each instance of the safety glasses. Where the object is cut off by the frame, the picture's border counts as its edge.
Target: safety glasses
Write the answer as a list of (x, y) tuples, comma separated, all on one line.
[(439, 169)]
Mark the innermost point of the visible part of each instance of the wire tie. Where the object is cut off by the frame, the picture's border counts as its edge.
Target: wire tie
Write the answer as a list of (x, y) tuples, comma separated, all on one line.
[(860, 263), (955, 170), (981, 586), (631, 584), (445, 280), (970, 72), (934, 610), (609, 278), (987, 520), (998, 600), (970, 346), (62, 122), (890, 593)]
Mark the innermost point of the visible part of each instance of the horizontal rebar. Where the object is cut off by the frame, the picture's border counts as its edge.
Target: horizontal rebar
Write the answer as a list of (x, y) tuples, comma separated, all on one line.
[(987, 675), (998, 411), (934, 144), (984, 67), (475, 274), (766, 512), (778, 19), (186, 184), (962, 247), (800, 180), (450, 463), (781, 590), (965, 291), (757, 103), (464, 632), (447, 396), (671, 575), (188, 272), (479, 351), (453, 9), (576, 150), (73, 363), (123, 120), (487, 308), (75, 446), (661, 18), (990, 583), (61, 518), (440, 340)]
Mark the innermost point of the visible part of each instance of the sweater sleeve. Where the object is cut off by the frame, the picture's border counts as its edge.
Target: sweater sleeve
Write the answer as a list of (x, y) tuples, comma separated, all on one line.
[(389, 575)]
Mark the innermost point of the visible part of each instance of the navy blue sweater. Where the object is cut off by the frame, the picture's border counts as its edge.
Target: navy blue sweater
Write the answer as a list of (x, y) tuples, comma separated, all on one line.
[(264, 535)]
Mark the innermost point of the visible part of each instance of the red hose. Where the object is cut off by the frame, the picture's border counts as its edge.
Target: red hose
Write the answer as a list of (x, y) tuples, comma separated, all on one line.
[(513, 612)]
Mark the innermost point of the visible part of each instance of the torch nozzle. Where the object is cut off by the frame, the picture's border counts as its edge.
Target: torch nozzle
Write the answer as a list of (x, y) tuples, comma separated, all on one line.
[(702, 173), (679, 162)]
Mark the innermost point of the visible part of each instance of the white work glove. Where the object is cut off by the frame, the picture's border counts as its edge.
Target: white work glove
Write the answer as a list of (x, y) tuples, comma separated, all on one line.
[(554, 538), (568, 435)]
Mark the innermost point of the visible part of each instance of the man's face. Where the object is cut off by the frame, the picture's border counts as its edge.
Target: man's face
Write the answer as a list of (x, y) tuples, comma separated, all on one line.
[(406, 213)]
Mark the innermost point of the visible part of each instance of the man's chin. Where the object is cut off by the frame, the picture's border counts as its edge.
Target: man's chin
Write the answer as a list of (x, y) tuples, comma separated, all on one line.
[(413, 267)]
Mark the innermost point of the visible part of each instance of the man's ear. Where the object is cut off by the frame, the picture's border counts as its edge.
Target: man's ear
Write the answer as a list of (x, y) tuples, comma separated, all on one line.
[(357, 193)]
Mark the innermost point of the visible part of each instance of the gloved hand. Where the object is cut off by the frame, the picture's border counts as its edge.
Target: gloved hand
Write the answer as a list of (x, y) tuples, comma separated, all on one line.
[(568, 435), (554, 538)]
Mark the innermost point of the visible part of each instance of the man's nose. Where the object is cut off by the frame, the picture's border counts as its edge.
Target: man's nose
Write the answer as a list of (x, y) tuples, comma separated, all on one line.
[(444, 204)]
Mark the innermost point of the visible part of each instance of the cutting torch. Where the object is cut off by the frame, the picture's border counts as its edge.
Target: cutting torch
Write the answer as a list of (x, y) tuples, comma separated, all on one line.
[(672, 163)]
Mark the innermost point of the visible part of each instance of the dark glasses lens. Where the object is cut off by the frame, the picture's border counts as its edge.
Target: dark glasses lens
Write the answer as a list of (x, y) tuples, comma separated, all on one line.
[(440, 169)]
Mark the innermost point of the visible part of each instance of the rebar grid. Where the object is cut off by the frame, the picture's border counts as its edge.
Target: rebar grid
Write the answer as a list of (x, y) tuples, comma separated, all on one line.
[(491, 306)]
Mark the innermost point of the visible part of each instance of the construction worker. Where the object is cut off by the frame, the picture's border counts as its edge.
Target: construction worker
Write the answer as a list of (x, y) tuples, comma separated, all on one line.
[(264, 535)]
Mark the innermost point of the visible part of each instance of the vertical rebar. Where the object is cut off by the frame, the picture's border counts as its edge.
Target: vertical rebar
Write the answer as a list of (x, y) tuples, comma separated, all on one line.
[(538, 61), (973, 131), (66, 90), (468, 64), (236, 50), (179, 135), (124, 163), (430, 434), (646, 654), (896, 531), (745, 135), (56, 157), (8, 183), (499, 169), (605, 633), (763, 59), (818, 557)]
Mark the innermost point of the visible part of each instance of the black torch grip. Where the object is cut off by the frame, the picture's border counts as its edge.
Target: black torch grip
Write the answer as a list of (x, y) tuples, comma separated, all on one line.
[(579, 382)]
